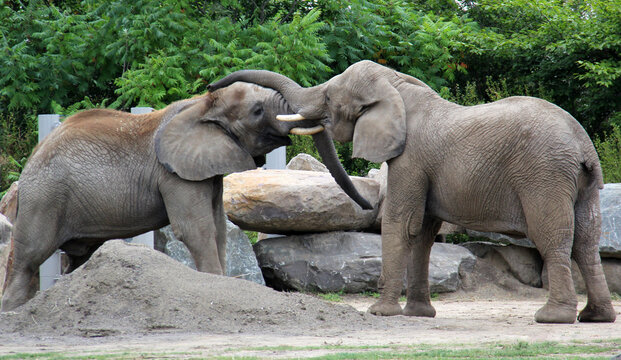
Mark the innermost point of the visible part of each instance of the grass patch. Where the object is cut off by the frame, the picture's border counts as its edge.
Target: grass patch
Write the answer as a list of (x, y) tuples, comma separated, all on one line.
[(333, 297), (601, 349)]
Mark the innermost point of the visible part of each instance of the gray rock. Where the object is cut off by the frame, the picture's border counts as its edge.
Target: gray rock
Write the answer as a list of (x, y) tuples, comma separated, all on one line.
[(307, 163), (525, 264), (610, 241), (294, 201), (5, 230), (346, 261), (240, 261), (382, 178), (610, 204), (5, 247)]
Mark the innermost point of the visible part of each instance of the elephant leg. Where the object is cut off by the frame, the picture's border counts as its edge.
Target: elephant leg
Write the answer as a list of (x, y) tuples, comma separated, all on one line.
[(551, 228), (189, 208), (219, 220), (586, 253), (403, 215), (30, 247), (418, 296)]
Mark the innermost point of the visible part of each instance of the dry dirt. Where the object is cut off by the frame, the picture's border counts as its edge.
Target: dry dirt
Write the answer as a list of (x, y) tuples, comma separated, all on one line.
[(128, 298)]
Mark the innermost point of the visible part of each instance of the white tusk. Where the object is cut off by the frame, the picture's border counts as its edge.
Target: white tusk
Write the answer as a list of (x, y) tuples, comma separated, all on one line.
[(307, 131), (292, 117)]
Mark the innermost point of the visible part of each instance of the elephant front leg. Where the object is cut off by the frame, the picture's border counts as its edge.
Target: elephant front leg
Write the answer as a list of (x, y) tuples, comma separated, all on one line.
[(394, 252), (190, 210), (418, 296)]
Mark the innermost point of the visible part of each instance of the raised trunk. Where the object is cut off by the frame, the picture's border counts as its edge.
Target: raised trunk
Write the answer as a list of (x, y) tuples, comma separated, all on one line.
[(308, 102)]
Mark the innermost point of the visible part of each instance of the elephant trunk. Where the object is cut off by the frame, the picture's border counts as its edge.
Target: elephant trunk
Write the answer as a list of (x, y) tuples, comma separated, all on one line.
[(325, 146), (305, 101)]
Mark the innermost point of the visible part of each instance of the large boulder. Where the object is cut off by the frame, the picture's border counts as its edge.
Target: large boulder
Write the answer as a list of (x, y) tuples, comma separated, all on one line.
[(610, 204), (610, 240), (240, 259), (346, 261), (294, 201), (525, 264), (307, 163)]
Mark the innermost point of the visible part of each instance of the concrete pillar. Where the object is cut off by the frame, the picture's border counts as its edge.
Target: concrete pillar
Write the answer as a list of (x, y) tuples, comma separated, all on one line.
[(276, 159), (148, 237), (50, 270)]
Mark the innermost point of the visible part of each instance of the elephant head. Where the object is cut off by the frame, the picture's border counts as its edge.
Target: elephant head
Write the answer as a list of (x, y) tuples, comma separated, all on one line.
[(224, 131), (314, 105)]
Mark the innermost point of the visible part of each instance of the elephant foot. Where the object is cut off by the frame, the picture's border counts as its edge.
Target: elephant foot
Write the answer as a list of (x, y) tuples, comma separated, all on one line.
[(384, 308), (556, 314), (605, 313), (419, 309)]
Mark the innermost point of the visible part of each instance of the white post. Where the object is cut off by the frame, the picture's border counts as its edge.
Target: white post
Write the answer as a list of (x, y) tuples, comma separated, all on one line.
[(276, 159), (50, 270), (148, 237)]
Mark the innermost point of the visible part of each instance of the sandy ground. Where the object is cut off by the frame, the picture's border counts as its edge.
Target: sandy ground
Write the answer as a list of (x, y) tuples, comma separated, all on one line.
[(257, 320)]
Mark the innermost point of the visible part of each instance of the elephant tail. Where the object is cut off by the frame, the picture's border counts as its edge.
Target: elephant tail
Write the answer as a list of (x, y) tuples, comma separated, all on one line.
[(592, 167)]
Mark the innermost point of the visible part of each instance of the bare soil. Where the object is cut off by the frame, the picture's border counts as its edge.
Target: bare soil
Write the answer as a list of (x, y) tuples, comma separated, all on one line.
[(128, 298)]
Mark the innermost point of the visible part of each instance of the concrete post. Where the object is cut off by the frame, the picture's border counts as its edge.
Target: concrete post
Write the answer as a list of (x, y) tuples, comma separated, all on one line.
[(50, 270), (148, 237), (276, 159)]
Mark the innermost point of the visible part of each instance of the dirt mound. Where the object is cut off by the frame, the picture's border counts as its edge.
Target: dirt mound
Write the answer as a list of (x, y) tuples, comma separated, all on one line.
[(125, 289)]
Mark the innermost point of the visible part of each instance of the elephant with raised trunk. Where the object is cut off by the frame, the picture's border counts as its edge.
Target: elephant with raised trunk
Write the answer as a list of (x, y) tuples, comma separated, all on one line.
[(519, 166), (107, 174)]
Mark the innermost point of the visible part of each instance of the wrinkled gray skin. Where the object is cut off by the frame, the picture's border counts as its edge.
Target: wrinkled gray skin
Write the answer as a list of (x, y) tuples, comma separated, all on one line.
[(519, 166), (106, 174)]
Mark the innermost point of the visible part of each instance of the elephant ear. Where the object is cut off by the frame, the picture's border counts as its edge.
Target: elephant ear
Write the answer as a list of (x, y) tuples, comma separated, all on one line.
[(197, 149), (380, 132)]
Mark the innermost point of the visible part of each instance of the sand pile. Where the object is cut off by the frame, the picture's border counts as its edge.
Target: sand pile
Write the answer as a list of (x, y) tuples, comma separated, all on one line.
[(125, 289)]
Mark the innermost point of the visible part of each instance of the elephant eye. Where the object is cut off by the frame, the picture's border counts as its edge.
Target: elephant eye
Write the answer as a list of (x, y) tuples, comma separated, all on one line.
[(327, 99), (258, 111)]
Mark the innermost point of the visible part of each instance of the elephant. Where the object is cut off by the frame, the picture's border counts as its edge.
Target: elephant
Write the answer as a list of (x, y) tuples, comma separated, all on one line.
[(105, 174), (520, 166)]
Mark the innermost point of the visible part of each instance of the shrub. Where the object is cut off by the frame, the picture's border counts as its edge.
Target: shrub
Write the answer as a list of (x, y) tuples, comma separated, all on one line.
[(609, 150)]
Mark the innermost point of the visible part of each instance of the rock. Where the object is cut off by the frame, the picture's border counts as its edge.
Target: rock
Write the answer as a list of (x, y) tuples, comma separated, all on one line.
[(381, 177), (5, 230), (610, 204), (5, 247), (525, 264), (240, 262), (500, 238), (346, 261), (294, 201), (8, 204), (610, 241), (449, 229), (612, 271), (307, 163)]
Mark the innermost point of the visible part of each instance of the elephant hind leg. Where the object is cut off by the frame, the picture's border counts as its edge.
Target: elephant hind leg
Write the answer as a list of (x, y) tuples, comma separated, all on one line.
[(586, 254), (551, 228), (30, 249)]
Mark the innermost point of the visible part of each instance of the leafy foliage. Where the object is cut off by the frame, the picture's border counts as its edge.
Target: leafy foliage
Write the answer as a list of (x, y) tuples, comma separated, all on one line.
[(72, 55)]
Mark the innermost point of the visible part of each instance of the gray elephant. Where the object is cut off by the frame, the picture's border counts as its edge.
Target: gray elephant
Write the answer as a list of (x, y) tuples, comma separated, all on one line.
[(106, 174), (518, 166)]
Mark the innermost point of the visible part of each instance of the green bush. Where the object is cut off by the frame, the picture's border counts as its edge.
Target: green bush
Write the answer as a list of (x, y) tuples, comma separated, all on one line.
[(16, 142), (609, 151)]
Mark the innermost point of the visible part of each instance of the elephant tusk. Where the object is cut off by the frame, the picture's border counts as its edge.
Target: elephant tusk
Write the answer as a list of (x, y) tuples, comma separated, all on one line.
[(292, 117), (307, 131)]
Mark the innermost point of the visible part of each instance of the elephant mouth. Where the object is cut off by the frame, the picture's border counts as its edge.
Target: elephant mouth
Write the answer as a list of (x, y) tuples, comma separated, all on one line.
[(300, 130)]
